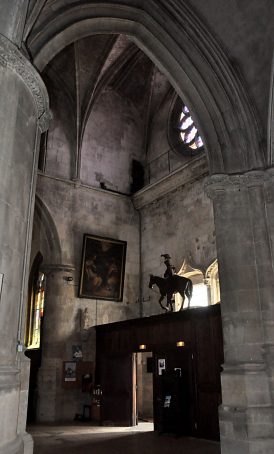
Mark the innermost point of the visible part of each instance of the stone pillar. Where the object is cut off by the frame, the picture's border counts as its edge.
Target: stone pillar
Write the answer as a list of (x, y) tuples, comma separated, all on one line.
[(23, 364), (268, 313), (246, 281), (12, 19), (59, 326), (23, 113)]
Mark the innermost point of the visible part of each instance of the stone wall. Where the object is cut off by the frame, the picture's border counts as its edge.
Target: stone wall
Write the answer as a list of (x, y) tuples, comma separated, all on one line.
[(181, 224), (161, 159), (117, 127), (76, 210), (113, 137)]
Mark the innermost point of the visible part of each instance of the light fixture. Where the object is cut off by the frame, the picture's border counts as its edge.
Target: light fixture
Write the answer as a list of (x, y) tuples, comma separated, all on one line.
[(142, 347), (180, 344), (68, 278)]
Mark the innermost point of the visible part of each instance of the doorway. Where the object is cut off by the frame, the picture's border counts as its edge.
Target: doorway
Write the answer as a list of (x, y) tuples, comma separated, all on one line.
[(174, 392), (165, 391), (144, 388), (187, 370), (118, 381)]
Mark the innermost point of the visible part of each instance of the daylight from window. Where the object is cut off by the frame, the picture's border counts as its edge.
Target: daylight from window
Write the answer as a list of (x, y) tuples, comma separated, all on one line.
[(199, 295), (188, 131)]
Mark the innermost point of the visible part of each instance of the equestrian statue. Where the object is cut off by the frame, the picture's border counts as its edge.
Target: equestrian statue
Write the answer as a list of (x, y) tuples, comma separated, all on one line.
[(170, 284)]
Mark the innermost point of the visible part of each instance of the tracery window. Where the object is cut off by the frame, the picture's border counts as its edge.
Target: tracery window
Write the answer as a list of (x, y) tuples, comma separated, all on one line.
[(183, 134), (187, 130), (212, 279), (206, 287), (35, 312), (200, 296)]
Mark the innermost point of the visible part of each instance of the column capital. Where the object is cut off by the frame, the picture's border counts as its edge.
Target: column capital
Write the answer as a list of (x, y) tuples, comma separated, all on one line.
[(270, 174), (218, 183), (11, 57)]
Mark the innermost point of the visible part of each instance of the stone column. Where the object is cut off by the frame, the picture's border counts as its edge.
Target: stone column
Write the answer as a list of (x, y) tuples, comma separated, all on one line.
[(268, 313), (59, 325), (246, 281), (12, 19), (23, 114)]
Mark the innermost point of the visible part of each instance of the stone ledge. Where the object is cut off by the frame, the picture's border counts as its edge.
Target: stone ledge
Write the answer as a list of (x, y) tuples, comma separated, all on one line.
[(189, 172)]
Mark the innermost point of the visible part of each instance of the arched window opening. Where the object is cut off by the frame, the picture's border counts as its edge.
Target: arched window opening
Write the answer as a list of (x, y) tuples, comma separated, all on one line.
[(212, 279), (183, 134), (200, 294), (35, 307), (188, 132), (43, 152)]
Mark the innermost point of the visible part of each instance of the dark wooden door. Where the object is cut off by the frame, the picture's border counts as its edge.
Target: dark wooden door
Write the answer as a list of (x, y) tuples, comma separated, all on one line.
[(117, 390), (174, 392)]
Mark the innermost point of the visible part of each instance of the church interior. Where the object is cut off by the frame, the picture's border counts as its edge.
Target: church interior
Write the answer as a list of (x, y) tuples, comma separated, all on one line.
[(137, 226)]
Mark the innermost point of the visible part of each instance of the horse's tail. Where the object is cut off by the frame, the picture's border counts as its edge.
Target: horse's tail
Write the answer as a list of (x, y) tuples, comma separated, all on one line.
[(189, 290)]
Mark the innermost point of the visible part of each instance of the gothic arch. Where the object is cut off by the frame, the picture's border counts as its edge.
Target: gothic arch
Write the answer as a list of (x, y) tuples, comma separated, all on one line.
[(52, 252), (178, 43)]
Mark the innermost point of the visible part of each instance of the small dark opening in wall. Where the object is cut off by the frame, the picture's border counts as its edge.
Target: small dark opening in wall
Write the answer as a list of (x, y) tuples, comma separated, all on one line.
[(150, 365), (43, 152), (137, 175)]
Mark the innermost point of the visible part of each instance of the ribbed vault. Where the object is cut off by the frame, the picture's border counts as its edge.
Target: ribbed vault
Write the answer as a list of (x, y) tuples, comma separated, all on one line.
[(178, 43)]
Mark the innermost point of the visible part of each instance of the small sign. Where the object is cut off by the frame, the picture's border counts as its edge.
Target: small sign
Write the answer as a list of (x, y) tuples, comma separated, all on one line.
[(77, 353), (167, 401), (161, 366), (70, 371)]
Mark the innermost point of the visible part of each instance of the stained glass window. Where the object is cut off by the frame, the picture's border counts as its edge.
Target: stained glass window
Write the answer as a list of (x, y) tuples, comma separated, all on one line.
[(189, 134), (36, 313)]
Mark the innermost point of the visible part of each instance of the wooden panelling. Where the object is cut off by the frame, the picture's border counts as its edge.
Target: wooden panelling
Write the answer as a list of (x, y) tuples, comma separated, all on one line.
[(199, 328)]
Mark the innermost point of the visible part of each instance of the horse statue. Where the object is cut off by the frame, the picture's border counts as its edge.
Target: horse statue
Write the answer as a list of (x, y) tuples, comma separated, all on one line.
[(169, 286)]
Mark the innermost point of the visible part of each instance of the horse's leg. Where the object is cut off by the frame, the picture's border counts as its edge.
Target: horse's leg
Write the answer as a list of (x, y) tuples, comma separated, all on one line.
[(188, 293), (169, 302), (188, 301), (160, 302), (183, 301)]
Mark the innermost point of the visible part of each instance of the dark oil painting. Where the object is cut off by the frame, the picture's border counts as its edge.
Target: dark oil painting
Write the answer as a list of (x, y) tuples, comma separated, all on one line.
[(103, 268)]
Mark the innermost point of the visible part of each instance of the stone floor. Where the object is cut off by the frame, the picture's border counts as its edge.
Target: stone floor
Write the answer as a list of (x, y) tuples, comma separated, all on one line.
[(81, 438)]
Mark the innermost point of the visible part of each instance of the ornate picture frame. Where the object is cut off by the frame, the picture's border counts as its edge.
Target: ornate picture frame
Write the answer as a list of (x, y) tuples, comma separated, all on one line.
[(102, 268)]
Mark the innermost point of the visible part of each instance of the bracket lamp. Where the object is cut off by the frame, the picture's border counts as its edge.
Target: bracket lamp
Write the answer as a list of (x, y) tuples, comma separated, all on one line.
[(142, 347), (180, 344), (68, 278)]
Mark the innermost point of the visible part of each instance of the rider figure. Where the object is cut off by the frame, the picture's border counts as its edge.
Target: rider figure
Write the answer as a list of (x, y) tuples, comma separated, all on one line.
[(170, 269)]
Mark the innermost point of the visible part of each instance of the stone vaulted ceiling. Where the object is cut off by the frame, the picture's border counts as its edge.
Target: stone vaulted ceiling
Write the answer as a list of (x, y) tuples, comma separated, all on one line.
[(92, 65), (224, 77)]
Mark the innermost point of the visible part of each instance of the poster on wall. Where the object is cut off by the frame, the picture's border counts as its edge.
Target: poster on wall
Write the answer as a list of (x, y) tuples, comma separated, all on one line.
[(77, 353), (70, 371), (161, 366), (102, 268)]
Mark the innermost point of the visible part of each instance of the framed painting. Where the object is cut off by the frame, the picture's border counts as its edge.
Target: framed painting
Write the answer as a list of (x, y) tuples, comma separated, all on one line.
[(102, 268), (69, 371)]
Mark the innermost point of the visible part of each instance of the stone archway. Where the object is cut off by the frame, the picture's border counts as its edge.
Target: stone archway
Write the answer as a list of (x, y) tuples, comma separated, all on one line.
[(210, 86), (212, 89), (224, 116), (52, 253)]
